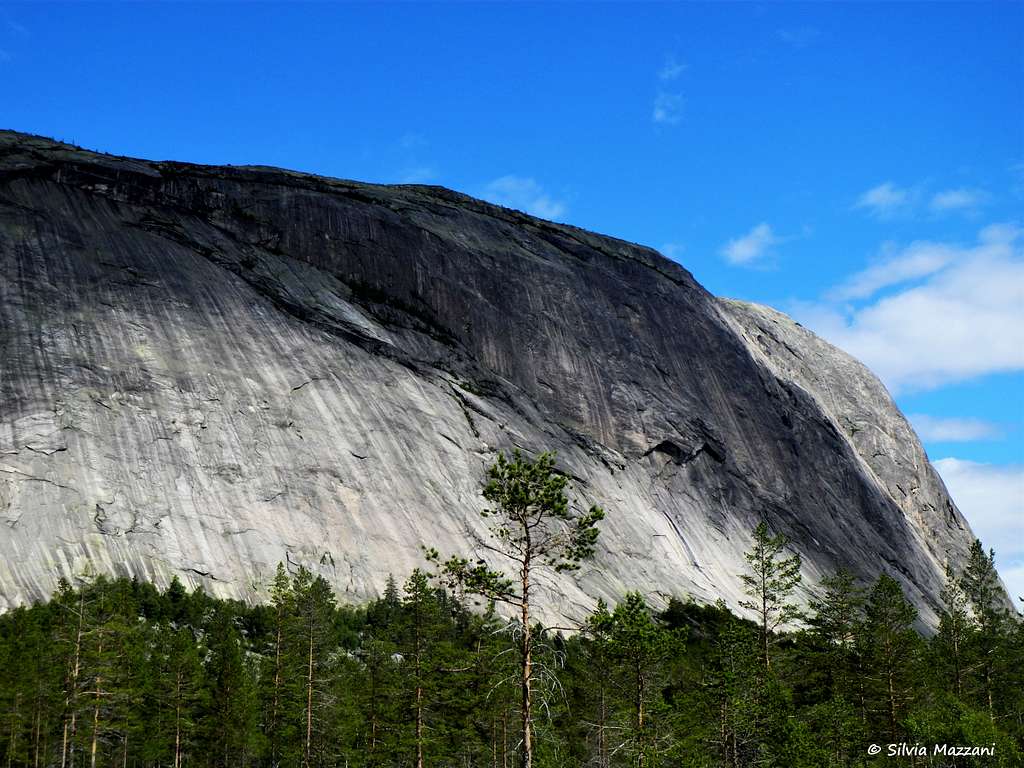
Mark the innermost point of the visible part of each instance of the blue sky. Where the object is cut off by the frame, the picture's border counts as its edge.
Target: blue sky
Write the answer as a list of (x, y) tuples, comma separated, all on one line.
[(859, 166)]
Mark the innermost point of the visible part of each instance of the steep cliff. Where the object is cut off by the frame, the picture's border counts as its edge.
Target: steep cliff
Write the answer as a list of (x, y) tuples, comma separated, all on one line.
[(205, 371)]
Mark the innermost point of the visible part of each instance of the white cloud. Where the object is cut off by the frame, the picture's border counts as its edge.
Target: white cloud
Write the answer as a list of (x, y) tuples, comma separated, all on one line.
[(1013, 578), (412, 140), (524, 194), (1000, 234), (420, 174), (798, 37), (751, 247), (673, 68), (992, 499), (668, 108), (673, 250), (883, 200), (917, 260), (961, 321), (962, 199), (934, 429)]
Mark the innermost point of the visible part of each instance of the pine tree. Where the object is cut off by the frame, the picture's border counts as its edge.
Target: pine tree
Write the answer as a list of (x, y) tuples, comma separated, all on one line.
[(282, 605), (892, 643), (533, 526), (838, 612), (423, 624), (379, 701), (25, 682), (231, 715), (155, 691), (980, 584), (479, 695), (770, 584), (730, 682), (73, 622), (181, 688), (104, 667), (134, 643), (598, 654), (42, 670), (640, 648), (954, 630), (838, 658), (837, 616), (314, 607)]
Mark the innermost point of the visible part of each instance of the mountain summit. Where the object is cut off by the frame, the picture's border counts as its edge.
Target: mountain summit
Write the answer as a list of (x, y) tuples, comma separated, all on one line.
[(208, 370)]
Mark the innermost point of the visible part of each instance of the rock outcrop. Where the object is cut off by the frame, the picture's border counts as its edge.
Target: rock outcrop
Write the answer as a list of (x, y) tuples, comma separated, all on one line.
[(205, 371)]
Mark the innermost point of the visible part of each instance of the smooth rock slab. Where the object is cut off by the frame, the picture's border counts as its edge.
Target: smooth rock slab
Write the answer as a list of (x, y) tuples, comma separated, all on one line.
[(205, 371)]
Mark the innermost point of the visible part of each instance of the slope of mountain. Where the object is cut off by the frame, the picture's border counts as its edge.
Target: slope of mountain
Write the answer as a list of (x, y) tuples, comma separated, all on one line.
[(207, 370)]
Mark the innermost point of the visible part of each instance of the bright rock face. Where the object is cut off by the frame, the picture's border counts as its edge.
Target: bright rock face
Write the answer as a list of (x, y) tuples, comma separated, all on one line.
[(205, 371)]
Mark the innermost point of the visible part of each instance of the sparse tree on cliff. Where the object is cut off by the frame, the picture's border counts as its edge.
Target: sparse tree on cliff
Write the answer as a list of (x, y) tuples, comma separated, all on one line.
[(532, 525), (770, 584)]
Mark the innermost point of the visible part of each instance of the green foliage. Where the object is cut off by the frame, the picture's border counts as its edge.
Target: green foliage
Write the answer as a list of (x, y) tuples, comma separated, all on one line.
[(955, 633), (634, 648), (147, 678), (836, 623), (770, 584), (532, 524), (891, 646), (988, 638)]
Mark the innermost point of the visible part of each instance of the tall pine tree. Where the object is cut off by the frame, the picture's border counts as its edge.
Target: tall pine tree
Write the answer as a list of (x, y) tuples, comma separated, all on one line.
[(770, 582), (532, 527)]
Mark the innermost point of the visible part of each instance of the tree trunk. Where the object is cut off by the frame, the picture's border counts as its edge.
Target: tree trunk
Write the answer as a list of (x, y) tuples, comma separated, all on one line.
[(494, 743), (419, 726), (526, 759), (988, 691), (96, 710), (95, 726), (68, 749), (640, 740), (861, 691), (722, 733), (374, 711), (14, 734), (602, 735), (177, 721), (956, 663), (309, 700), (277, 688), (764, 618), (890, 675), (419, 686), (69, 699), (35, 733)]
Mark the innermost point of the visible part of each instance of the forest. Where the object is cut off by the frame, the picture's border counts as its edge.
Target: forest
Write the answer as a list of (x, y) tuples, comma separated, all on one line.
[(448, 668)]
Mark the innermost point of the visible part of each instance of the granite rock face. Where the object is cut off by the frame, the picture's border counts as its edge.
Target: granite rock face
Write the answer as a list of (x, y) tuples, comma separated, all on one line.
[(205, 371)]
